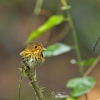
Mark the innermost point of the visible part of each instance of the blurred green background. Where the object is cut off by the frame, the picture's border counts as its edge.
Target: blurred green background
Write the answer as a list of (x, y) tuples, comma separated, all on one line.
[(17, 20)]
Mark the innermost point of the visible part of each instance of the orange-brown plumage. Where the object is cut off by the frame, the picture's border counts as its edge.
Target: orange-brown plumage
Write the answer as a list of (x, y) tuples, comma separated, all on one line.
[(32, 54)]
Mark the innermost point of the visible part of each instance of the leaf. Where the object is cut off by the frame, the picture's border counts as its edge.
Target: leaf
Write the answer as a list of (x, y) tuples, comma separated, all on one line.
[(51, 22), (87, 62), (56, 49), (70, 98), (81, 86), (65, 7), (22, 72)]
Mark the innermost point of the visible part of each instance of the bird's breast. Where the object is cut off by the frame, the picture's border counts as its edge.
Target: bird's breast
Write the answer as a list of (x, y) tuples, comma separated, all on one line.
[(32, 62)]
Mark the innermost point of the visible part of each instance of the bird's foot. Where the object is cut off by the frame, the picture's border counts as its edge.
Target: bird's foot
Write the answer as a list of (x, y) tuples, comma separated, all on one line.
[(33, 80)]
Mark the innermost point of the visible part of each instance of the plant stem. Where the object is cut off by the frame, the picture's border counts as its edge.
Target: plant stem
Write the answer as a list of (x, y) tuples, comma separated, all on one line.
[(20, 86), (27, 71), (74, 38), (86, 98), (37, 8), (76, 44), (35, 13), (75, 41), (96, 43), (92, 66), (34, 84)]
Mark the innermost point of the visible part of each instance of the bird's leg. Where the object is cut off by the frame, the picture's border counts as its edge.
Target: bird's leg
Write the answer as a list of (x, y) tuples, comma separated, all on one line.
[(34, 78), (34, 73)]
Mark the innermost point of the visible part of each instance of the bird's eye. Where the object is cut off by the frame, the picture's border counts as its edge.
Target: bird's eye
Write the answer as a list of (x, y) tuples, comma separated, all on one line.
[(35, 46)]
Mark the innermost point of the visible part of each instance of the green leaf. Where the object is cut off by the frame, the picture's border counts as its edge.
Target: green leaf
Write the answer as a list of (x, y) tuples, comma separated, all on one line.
[(87, 62), (22, 72), (70, 98), (81, 86), (51, 22), (56, 49), (65, 7)]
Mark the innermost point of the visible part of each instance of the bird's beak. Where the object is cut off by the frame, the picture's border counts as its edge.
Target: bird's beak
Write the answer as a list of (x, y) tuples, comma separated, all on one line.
[(44, 49)]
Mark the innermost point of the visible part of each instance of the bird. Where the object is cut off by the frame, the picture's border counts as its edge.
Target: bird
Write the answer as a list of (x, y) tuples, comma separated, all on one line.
[(32, 55)]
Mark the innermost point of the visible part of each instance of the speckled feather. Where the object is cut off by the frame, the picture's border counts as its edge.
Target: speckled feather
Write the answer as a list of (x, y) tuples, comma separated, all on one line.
[(32, 54)]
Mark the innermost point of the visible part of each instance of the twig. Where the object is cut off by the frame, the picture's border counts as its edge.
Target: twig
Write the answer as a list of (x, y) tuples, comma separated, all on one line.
[(64, 2), (34, 84), (92, 66), (20, 85), (96, 43), (74, 36), (86, 98), (36, 12), (37, 8)]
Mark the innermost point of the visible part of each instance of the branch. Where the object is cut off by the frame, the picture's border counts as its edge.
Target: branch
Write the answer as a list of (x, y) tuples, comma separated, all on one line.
[(92, 66), (34, 84)]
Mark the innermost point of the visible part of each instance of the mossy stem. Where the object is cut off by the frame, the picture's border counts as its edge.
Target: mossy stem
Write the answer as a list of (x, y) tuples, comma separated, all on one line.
[(74, 38)]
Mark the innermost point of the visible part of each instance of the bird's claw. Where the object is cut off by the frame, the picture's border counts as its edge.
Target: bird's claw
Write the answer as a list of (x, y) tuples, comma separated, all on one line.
[(33, 79)]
